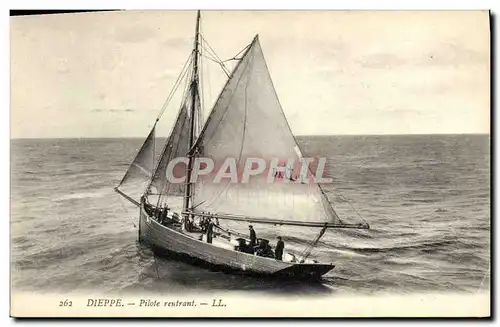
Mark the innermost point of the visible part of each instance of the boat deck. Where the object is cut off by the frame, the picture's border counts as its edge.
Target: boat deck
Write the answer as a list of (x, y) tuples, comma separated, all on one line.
[(230, 242)]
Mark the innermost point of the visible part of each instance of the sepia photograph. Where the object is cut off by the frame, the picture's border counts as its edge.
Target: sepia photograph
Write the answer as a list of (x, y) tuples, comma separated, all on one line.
[(250, 163)]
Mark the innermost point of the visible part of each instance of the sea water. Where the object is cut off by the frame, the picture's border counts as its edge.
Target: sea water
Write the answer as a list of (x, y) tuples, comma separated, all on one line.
[(426, 198)]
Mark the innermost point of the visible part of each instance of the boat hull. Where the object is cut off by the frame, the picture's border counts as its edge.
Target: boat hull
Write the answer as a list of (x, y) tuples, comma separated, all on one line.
[(169, 242)]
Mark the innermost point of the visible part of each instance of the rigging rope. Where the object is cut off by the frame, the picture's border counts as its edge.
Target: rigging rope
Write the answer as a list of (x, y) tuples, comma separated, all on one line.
[(236, 56), (330, 204), (217, 62), (125, 210), (350, 205), (210, 58), (209, 90), (226, 72), (308, 250), (176, 85), (208, 54), (220, 62), (198, 112), (210, 48), (200, 95)]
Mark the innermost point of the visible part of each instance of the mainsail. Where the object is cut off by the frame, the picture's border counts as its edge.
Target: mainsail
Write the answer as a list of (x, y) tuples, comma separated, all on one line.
[(247, 121)]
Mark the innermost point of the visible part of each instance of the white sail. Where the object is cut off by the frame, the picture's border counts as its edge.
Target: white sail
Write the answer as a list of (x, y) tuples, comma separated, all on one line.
[(177, 145), (139, 172), (247, 122)]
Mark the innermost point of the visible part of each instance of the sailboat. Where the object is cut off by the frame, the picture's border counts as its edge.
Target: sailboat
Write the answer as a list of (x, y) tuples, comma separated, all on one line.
[(195, 219)]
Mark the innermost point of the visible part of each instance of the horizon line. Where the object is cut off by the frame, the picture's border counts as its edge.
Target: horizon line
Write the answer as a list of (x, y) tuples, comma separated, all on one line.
[(298, 135)]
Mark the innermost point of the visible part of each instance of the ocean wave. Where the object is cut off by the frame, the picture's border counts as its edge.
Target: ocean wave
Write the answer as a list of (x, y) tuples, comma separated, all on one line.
[(435, 200), (30, 178), (20, 240), (83, 195), (400, 248), (24, 263)]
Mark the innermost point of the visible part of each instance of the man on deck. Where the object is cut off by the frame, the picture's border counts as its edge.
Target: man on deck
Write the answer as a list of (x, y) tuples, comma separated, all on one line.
[(210, 231), (280, 246), (164, 215), (253, 237)]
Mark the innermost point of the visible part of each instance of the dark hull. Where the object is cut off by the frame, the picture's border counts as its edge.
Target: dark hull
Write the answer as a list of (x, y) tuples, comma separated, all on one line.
[(175, 244)]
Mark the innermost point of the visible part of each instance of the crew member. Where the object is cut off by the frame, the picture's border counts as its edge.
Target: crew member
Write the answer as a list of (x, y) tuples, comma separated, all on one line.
[(264, 249), (253, 236), (210, 231), (243, 247), (280, 246), (164, 215)]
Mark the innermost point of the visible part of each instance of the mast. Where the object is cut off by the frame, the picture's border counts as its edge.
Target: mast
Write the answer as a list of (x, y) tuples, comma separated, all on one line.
[(194, 90)]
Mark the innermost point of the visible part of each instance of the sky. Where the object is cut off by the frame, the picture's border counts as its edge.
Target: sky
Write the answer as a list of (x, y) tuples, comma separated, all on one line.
[(335, 72)]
